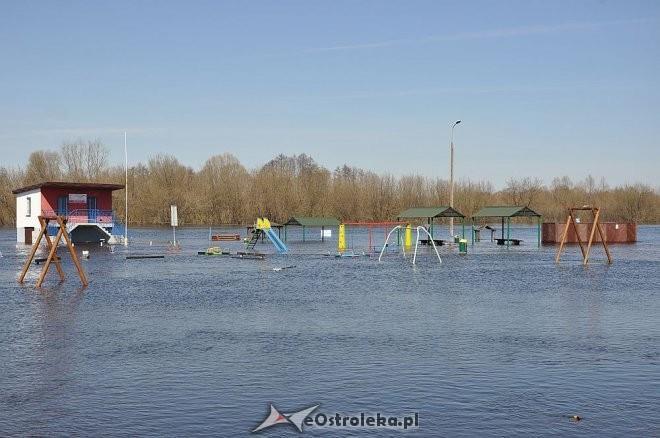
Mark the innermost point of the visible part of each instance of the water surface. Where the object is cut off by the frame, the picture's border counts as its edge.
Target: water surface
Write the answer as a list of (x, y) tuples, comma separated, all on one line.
[(495, 343)]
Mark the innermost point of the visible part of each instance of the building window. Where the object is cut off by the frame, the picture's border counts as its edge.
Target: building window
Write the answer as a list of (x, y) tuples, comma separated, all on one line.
[(29, 207)]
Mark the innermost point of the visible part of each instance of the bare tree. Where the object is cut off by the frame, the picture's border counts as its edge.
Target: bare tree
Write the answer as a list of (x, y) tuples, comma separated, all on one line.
[(224, 191), (84, 161), (43, 166), (523, 191)]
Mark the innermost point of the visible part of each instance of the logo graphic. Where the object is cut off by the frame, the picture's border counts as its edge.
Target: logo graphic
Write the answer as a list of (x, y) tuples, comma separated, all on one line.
[(275, 417)]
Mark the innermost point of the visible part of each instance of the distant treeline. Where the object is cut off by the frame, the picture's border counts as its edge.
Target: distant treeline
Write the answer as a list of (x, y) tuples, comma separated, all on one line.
[(223, 191)]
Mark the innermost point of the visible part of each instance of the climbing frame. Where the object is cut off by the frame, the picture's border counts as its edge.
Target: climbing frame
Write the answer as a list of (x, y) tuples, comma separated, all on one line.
[(51, 245)]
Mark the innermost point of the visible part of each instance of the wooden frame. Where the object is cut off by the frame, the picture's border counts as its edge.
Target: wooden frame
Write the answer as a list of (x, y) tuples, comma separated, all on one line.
[(52, 252), (595, 211)]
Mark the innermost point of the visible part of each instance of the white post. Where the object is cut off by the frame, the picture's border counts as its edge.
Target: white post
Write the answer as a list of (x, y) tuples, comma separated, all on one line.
[(174, 221), (125, 192)]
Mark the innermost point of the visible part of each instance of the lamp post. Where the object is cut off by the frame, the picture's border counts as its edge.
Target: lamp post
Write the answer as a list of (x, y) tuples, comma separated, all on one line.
[(125, 192), (451, 176)]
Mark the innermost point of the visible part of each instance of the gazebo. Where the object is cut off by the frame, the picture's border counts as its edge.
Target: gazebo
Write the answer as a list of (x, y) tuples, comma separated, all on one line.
[(507, 212), (310, 222), (430, 214)]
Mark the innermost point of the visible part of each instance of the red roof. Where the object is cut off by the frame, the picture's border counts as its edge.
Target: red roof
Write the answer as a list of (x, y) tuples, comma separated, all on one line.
[(69, 185)]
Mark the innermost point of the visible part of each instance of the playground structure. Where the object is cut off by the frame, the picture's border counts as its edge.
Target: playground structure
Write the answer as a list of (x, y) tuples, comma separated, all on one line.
[(52, 251), (408, 233), (477, 232), (595, 211), (373, 228), (263, 227)]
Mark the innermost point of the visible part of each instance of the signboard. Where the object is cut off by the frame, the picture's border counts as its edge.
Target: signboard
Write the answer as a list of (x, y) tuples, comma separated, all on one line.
[(326, 233), (78, 198), (174, 219)]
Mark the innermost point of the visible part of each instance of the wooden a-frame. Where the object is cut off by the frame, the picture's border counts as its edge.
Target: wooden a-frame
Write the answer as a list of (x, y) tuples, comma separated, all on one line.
[(52, 251), (595, 211)]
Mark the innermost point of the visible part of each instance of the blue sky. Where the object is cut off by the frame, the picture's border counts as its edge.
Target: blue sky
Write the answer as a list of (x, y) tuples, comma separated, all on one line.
[(543, 88)]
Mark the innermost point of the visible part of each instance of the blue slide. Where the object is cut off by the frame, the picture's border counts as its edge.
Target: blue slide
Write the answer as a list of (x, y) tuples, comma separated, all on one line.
[(281, 247)]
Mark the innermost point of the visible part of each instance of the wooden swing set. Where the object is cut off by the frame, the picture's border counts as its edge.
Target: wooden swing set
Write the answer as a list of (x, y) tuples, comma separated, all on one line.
[(52, 251), (595, 211)]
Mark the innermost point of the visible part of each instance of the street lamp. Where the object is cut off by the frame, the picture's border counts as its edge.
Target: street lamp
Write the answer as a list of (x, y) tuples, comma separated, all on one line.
[(451, 176)]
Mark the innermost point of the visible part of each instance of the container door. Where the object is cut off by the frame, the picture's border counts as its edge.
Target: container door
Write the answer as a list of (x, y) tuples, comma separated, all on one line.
[(63, 206), (92, 212)]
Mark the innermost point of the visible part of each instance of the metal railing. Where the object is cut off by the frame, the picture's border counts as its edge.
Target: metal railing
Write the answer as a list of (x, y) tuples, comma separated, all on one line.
[(104, 218)]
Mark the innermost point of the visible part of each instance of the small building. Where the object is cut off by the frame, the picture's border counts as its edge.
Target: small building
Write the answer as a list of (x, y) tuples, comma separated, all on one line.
[(86, 206)]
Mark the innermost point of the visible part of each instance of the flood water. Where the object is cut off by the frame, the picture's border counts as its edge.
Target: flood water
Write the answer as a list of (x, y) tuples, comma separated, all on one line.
[(498, 342)]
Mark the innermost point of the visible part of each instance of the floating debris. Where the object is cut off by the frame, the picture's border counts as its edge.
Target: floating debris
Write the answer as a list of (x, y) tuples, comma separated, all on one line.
[(214, 251), (277, 269), (249, 256)]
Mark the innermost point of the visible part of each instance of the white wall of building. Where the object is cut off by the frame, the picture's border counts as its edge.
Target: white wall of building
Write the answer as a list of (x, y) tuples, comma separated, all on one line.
[(23, 219)]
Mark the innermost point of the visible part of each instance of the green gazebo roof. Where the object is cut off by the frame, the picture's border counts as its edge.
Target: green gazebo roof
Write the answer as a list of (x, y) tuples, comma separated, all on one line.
[(429, 212), (506, 211), (308, 221)]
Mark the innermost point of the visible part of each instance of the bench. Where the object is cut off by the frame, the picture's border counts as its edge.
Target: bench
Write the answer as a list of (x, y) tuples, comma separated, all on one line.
[(438, 242), (511, 241)]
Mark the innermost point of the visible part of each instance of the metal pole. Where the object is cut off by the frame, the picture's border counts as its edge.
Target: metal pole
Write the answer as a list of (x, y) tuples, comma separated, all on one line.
[(125, 192), (451, 176)]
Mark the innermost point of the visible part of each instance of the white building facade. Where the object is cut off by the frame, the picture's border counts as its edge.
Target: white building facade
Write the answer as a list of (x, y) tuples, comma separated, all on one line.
[(28, 209)]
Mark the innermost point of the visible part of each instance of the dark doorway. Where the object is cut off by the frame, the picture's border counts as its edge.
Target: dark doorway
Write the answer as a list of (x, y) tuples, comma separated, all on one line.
[(28, 235)]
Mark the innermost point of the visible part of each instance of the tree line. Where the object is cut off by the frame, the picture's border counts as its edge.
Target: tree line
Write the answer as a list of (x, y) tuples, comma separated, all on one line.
[(223, 191)]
